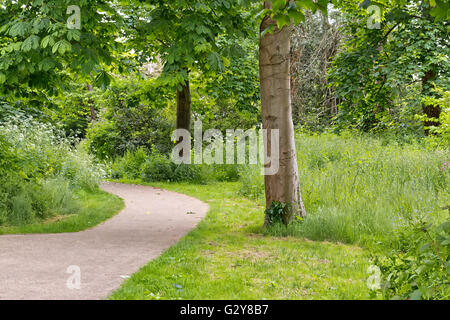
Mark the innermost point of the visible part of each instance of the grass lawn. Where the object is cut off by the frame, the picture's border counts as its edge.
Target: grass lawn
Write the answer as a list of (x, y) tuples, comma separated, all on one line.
[(96, 207), (228, 257)]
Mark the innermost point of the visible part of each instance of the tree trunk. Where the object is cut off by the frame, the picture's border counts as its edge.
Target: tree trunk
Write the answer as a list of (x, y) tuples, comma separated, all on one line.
[(91, 105), (183, 109), (274, 60), (431, 111)]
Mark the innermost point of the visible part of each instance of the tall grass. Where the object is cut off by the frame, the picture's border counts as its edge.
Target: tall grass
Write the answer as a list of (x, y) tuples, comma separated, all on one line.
[(357, 188)]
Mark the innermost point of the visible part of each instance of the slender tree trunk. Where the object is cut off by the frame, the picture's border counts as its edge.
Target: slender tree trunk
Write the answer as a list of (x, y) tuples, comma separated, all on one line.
[(183, 108), (431, 111), (277, 114), (91, 105)]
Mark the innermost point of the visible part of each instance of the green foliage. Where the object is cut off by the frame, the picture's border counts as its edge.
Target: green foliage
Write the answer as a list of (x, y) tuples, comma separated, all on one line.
[(44, 152), (137, 113), (24, 202), (190, 44), (283, 13), (440, 135), (313, 46), (19, 109), (418, 267), (8, 159), (378, 69), (440, 9), (156, 167), (40, 171), (74, 109), (226, 172), (133, 115), (130, 165), (275, 212), (32, 202), (38, 48), (94, 207), (234, 99)]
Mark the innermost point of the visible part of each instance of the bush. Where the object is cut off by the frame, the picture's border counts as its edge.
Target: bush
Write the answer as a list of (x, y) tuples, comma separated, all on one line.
[(131, 165), (154, 167), (158, 167), (40, 172), (226, 172), (418, 267), (42, 151), (133, 115)]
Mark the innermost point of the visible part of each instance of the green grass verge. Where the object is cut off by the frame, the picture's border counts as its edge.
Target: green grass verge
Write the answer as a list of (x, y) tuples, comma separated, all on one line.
[(228, 257), (96, 207)]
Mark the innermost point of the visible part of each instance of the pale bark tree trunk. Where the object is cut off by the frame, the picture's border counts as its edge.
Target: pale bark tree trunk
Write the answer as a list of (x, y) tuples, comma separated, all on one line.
[(277, 114), (183, 109)]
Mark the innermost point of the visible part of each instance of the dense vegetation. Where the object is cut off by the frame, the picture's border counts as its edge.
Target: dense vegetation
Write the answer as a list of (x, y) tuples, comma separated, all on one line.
[(370, 106), (46, 178)]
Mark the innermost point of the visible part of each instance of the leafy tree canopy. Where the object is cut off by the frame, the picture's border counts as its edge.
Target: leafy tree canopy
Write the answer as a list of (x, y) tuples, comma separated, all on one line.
[(42, 42), (184, 34)]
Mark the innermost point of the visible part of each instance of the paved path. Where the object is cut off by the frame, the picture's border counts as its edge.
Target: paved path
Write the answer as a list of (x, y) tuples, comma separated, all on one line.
[(35, 266)]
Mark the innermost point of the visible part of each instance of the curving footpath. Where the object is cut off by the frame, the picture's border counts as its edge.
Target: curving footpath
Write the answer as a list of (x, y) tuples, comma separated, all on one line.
[(36, 266)]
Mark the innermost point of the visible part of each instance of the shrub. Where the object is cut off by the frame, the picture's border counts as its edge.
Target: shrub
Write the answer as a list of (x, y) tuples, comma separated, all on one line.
[(226, 172), (8, 160), (155, 166), (275, 212), (132, 116), (40, 172), (21, 210), (158, 167), (418, 265), (42, 151), (81, 169)]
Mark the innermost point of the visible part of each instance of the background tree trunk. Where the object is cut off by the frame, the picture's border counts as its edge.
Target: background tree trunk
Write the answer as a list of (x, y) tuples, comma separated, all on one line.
[(431, 111), (277, 114), (91, 105), (183, 108)]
